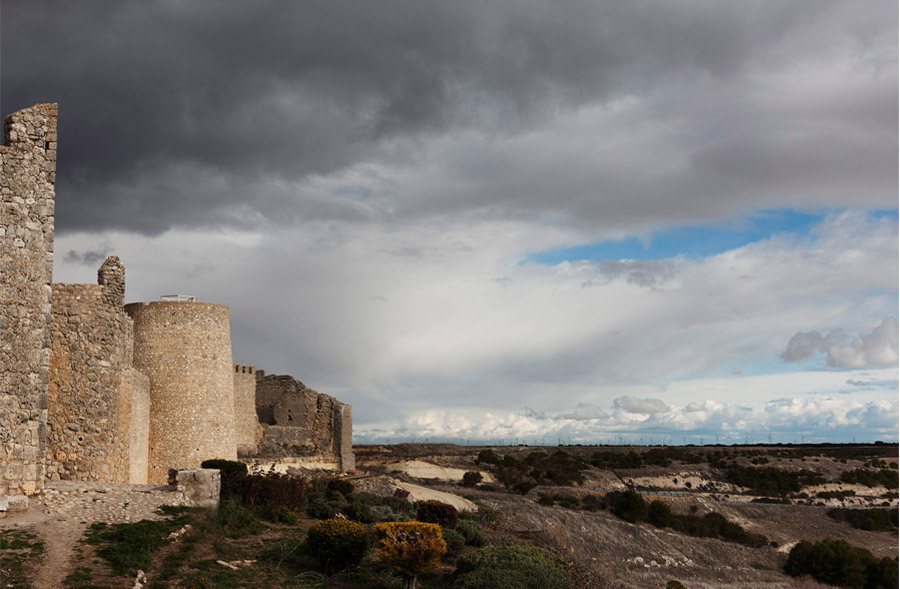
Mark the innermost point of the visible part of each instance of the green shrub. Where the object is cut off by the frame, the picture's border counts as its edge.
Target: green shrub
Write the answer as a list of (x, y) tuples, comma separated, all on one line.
[(455, 542), (838, 563), (272, 493), (673, 584), (771, 481), (628, 505), (593, 503), (342, 486), (337, 543), (660, 514), (545, 499), (871, 478), (513, 565), (226, 467), (872, 520), (631, 507), (471, 532), (232, 475), (540, 468), (471, 478), (235, 519), (487, 457), (568, 501), (435, 512)]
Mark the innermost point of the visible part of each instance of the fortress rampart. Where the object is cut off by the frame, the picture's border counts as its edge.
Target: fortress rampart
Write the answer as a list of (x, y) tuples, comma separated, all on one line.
[(27, 192), (132, 390), (98, 404), (246, 426), (184, 348)]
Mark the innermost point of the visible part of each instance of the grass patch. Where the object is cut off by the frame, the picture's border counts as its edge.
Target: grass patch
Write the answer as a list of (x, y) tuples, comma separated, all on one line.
[(81, 578), (19, 551), (129, 547)]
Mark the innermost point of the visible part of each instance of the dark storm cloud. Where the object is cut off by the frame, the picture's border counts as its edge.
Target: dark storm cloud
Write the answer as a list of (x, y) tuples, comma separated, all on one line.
[(88, 257), (229, 113)]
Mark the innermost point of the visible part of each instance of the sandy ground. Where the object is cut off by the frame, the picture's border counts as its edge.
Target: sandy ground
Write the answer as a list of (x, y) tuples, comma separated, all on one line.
[(419, 493), (426, 470)]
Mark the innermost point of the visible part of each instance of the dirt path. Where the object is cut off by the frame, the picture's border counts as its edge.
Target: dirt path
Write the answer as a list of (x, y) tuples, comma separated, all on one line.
[(65, 511)]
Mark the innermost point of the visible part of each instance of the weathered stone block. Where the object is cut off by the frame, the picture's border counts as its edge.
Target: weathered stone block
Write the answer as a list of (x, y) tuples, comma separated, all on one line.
[(199, 488)]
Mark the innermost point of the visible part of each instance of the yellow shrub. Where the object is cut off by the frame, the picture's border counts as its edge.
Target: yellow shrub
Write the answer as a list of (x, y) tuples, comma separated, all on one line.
[(412, 548)]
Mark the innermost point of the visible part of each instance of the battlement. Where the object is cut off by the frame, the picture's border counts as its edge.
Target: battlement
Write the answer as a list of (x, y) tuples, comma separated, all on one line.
[(244, 369), (111, 276)]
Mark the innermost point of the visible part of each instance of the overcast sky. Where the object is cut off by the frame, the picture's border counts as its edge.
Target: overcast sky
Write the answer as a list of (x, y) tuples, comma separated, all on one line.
[(504, 219)]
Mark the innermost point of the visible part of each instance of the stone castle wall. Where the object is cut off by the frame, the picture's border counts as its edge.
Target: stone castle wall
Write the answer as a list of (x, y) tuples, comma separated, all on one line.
[(94, 428), (246, 425), (299, 422), (136, 386), (27, 193), (130, 396), (184, 348)]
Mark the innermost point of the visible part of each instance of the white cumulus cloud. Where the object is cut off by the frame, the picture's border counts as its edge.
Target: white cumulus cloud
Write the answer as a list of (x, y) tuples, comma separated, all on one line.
[(874, 349)]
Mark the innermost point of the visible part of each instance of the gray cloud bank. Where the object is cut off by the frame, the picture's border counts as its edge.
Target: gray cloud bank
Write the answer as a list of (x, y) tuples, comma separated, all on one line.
[(866, 350), (237, 114)]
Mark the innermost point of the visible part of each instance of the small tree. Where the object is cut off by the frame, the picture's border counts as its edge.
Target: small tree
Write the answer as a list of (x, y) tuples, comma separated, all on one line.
[(411, 548), (471, 478), (436, 512)]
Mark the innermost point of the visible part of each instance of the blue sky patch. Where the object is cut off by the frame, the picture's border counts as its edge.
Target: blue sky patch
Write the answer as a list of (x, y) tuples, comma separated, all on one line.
[(696, 241)]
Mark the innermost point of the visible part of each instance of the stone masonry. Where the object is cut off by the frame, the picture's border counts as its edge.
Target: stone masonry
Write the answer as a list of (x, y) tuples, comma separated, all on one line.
[(27, 192), (132, 390), (97, 417), (246, 426), (185, 350), (299, 422)]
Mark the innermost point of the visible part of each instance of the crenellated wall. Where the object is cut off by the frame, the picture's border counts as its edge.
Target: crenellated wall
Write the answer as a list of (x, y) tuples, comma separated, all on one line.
[(27, 192), (94, 432)]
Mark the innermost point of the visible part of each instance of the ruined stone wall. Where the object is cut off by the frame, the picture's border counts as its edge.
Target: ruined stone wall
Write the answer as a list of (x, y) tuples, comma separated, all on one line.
[(246, 425), (91, 389), (185, 350), (27, 179), (343, 436), (298, 421)]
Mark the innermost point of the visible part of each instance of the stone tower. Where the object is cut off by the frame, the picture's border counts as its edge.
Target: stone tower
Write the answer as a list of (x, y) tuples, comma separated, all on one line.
[(185, 350), (246, 425), (27, 193)]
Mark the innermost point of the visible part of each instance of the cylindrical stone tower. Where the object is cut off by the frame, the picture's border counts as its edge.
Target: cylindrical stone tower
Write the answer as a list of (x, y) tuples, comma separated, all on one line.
[(185, 350)]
